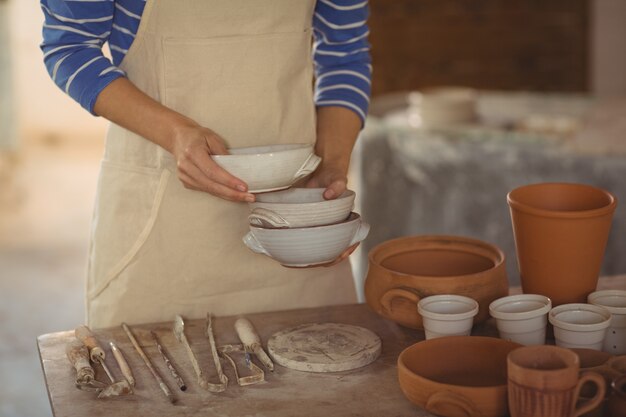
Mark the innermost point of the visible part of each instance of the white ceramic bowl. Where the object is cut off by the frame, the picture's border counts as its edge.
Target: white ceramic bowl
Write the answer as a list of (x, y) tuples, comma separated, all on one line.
[(615, 302), (447, 106), (270, 168), (447, 315), (522, 318), (580, 325), (299, 207), (307, 246)]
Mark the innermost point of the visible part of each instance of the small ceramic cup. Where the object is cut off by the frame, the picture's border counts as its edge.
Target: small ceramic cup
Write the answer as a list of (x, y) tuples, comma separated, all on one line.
[(544, 381), (615, 302), (580, 325), (522, 318), (447, 315)]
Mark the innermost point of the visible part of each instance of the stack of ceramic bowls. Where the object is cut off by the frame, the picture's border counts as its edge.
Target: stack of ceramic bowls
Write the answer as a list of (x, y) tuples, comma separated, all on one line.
[(296, 227), (299, 228)]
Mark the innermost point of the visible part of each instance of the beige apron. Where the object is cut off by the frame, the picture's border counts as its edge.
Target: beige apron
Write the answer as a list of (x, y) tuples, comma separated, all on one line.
[(242, 68)]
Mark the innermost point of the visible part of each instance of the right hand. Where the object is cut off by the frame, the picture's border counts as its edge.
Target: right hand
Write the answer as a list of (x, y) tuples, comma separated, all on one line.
[(192, 146)]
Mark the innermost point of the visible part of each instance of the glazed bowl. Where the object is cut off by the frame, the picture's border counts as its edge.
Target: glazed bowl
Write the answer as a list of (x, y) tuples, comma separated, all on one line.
[(447, 315), (615, 302), (403, 271), (307, 246), (522, 318), (457, 376), (299, 207), (580, 325), (269, 168)]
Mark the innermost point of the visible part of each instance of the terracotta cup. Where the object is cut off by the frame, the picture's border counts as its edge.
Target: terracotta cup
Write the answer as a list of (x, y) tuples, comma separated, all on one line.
[(544, 381), (560, 232)]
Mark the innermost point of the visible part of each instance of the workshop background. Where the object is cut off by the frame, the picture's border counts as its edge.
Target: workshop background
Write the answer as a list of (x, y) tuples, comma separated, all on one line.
[(567, 55)]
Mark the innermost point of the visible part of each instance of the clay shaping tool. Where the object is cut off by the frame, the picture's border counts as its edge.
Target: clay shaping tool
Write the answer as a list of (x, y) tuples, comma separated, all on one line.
[(153, 371), (257, 373), (168, 363), (221, 386), (252, 342), (78, 355), (121, 362), (179, 332), (96, 354)]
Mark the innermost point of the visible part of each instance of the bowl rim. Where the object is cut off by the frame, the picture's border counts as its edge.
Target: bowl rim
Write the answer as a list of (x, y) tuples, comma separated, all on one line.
[(424, 303), (348, 194), (464, 245), (279, 148), (594, 297), (522, 315), (579, 214), (582, 327), (468, 339), (352, 218)]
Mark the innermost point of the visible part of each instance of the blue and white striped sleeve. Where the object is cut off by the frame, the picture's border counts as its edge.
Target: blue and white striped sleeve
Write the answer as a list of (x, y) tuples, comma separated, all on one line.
[(341, 54), (73, 34)]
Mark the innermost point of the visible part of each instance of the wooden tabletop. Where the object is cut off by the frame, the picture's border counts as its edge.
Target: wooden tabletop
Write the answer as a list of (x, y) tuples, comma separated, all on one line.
[(369, 391)]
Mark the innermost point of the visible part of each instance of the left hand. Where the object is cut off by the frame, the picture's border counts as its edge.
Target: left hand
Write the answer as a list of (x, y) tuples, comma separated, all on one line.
[(335, 182)]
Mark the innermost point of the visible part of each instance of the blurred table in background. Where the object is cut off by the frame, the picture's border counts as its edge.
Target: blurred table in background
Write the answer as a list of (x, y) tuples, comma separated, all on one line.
[(413, 180)]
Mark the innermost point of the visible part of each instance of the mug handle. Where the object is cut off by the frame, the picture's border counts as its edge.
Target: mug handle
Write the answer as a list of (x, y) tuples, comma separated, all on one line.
[(448, 398), (361, 233), (389, 296), (262, 217), (587, 406), (253, 244), (307, 167)]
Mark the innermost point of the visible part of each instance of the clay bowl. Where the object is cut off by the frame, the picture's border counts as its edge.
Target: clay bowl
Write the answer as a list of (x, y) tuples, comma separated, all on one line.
[(403, 271), (457, 376)]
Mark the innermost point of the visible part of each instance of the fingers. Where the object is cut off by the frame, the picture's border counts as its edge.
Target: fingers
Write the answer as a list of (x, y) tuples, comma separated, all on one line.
[(216, 173), (194, 178), (335, 189)]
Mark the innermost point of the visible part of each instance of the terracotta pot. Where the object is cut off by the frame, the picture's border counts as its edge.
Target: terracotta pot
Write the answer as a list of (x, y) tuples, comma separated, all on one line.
[(560, 232), (403, 271), (617, 400), (457, 376), (544, 381)]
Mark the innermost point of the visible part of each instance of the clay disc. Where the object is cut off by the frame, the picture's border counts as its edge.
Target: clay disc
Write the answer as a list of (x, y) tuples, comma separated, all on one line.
[(324, 347)]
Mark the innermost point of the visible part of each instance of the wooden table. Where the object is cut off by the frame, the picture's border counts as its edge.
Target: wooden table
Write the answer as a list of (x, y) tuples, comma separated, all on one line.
[(369, 391)]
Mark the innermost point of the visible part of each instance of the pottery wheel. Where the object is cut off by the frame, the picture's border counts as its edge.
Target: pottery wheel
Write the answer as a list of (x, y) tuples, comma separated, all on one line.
[(324, 347)]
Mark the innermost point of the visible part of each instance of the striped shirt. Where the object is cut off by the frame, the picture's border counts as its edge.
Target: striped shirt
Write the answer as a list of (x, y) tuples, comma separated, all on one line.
[(75, 31)]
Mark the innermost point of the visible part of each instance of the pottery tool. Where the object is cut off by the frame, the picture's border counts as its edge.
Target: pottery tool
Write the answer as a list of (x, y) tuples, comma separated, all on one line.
[(168, 363), (179, 332), (220, 386), (153, 371), (122, 363), (257, 375), (324, 347), (78, 355), (97, 354), (252, 342)]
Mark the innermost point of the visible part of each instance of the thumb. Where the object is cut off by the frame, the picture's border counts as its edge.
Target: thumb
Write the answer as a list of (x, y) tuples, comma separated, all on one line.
[(335, 189)]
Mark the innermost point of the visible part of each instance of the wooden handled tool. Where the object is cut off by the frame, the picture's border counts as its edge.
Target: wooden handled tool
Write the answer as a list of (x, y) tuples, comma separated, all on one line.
[(121, 362), (153, 371), (84, 334), (78, 355), (252, 342)]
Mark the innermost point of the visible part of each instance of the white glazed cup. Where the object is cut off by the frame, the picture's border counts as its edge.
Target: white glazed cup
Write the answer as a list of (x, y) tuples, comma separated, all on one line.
[(447, 315), (615, 302), (580, 325), (522, 318)]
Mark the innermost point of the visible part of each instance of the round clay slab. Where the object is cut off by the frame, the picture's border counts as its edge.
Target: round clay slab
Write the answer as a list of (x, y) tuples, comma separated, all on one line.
[(324, 347)]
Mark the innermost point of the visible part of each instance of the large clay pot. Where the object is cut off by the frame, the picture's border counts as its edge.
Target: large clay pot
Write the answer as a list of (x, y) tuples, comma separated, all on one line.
[(403, 271), (457, 376), (561, 232)]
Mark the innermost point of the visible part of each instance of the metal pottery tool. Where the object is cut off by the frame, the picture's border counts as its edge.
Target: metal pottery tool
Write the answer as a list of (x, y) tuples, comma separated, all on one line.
[(179, 332), (168, 363), (221, 386), (153, 371), (252, 342), (121, 362), (96, 354)]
